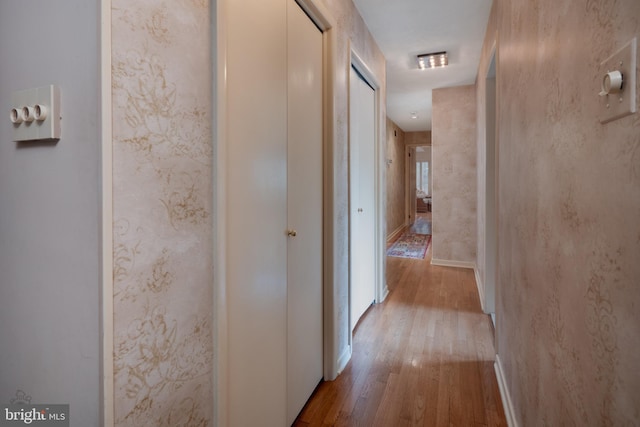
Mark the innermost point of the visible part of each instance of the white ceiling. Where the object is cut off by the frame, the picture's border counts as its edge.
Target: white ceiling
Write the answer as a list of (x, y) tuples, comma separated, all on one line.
[(406, 28)]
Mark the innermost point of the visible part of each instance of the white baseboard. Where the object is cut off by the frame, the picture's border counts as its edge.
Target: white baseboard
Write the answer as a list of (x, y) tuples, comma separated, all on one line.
[(395, 233), (480, 287), (504, 394), (385, 293), (344, 359), (451, 263)]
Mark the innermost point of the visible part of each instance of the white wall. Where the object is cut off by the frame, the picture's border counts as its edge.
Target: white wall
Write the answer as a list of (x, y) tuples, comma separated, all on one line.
[(49, 211)]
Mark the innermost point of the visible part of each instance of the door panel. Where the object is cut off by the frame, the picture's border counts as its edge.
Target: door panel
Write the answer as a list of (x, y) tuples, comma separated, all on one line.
[(304, 210), (274, 182), (362, 195), (256, 188)]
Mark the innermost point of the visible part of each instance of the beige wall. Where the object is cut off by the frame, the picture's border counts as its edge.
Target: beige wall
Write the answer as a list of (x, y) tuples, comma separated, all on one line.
[(162, 213), (568, 324), (454, 175), (418, 138), (395, 178)]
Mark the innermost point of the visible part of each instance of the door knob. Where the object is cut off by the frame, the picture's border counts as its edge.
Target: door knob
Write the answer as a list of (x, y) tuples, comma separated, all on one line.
[(359, 209), (292, 233)]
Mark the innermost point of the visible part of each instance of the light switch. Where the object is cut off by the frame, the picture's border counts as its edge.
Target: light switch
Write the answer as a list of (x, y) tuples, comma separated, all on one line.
[(618, 83), (35, 114)]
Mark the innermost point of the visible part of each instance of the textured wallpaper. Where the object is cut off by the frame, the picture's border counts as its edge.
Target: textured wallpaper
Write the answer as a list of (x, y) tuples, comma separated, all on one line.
[(395, 178), (568, 318), (454, 174), (162, 213)]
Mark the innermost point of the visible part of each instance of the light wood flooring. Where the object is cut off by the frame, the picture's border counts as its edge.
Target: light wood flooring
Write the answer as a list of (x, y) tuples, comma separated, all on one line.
[(424, 357)]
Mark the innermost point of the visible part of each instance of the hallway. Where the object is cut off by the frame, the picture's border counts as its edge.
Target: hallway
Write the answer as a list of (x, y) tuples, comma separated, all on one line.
[(423, 357)]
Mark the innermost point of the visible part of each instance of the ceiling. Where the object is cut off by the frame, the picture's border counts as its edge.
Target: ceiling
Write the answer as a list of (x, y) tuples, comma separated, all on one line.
[(406, 28)]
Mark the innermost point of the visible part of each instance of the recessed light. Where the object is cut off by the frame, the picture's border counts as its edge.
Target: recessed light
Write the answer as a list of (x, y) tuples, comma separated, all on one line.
[(433, 60)]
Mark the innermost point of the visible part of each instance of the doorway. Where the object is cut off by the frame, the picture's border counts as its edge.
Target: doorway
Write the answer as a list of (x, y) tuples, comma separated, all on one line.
[(491, 171), (361, 195), (418, 187), (411, 188), (269, 259)]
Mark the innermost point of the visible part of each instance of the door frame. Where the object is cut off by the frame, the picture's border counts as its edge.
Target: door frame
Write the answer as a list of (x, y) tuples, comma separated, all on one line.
[(407, 176), (326, 23), (324, 20), (107, 407), (381, 289), (410, 205), (489, 288), (407, 187)]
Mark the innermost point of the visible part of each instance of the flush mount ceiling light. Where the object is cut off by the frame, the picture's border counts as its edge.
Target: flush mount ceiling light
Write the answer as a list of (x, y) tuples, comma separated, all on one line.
[(432, 60), (414, 115)]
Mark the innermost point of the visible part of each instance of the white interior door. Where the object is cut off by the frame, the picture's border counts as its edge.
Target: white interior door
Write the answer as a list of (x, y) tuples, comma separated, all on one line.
[(361, 195), (256, 191), (273, 183), (304, 210)]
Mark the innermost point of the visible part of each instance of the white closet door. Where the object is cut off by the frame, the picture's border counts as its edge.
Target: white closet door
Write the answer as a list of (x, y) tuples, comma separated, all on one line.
[(256, 212), (362, 195), (274, 183), (304, 207)]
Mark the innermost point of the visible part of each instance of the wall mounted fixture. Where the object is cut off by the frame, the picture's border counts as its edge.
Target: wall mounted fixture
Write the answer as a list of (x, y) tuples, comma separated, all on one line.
[(35, 114), (617, 96), (433, 60), (612, 83)]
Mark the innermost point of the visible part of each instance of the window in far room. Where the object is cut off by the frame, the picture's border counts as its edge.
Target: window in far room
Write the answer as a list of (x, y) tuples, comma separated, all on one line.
[(422, 177)]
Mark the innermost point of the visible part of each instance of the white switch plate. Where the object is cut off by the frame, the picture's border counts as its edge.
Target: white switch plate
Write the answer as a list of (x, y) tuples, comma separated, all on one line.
[(47, 129), (617, 105)]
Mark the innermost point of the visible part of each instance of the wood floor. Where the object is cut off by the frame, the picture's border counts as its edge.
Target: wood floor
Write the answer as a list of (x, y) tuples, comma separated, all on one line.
[(424, 357)]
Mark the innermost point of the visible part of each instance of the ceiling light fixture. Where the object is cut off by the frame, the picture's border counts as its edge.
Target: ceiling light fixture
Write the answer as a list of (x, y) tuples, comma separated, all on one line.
[(414, 115), (433, 60)]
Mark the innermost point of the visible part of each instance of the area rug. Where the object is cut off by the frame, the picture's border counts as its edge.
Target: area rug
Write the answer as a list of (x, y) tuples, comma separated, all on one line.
[(410, 245)]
